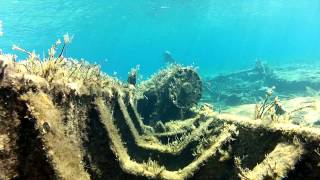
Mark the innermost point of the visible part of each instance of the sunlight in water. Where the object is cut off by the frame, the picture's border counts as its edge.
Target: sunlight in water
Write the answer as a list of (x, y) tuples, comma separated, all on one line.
[(1, 28)]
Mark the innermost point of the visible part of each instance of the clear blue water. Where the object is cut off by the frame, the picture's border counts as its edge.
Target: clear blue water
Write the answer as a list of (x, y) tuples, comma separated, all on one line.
[(216, 35)]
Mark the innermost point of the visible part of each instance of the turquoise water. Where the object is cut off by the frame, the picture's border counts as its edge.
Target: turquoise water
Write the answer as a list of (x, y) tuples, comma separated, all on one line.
[(216, 35)]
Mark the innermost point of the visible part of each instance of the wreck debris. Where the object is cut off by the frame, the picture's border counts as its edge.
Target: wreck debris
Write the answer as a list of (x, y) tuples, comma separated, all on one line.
[(170, 93)]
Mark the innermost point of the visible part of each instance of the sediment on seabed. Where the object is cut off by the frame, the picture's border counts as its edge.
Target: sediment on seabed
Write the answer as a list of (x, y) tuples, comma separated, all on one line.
[(65, 119)]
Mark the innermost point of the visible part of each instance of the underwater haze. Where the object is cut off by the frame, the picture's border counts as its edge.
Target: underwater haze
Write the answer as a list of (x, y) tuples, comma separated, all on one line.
[(216, 35)]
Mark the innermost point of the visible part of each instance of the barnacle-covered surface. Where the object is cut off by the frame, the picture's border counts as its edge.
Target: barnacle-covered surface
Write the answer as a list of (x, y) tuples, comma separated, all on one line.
[(64, 119), (169, 94)]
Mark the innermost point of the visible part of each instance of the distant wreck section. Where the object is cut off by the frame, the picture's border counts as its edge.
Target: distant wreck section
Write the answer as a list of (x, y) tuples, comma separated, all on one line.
[(246, 86), (64, 119)]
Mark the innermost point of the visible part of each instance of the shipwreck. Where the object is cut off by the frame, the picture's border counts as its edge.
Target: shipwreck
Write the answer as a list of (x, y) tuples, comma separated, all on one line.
[(62, 118)]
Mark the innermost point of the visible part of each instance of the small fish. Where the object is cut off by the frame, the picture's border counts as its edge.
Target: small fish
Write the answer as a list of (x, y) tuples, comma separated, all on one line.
[(168, 58), (164, 7)]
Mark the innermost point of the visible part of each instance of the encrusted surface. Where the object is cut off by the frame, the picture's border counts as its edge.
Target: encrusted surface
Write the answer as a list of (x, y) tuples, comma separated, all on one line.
[(169, 94), (64, 119)]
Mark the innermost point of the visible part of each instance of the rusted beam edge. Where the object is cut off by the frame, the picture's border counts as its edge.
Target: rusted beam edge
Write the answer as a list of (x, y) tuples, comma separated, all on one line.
[(225, 136), (24, 115), (139, 169), (51, 131), (45, 150), (149, 130), (142, 126), (276, 164), (183, 123), (171, 133), (158, 146)]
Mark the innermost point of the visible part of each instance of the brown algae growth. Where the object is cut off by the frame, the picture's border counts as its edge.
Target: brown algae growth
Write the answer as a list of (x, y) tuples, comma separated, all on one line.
[(65, 119)]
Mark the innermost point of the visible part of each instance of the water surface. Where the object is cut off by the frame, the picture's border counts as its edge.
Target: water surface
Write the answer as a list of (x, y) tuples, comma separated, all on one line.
[(216, 35)]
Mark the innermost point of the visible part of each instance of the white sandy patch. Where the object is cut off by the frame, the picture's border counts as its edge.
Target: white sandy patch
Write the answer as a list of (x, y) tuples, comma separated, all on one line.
[(308, 115)]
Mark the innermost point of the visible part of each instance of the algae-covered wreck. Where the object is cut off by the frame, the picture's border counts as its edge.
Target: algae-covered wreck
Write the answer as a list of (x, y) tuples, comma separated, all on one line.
[(65, 119)]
